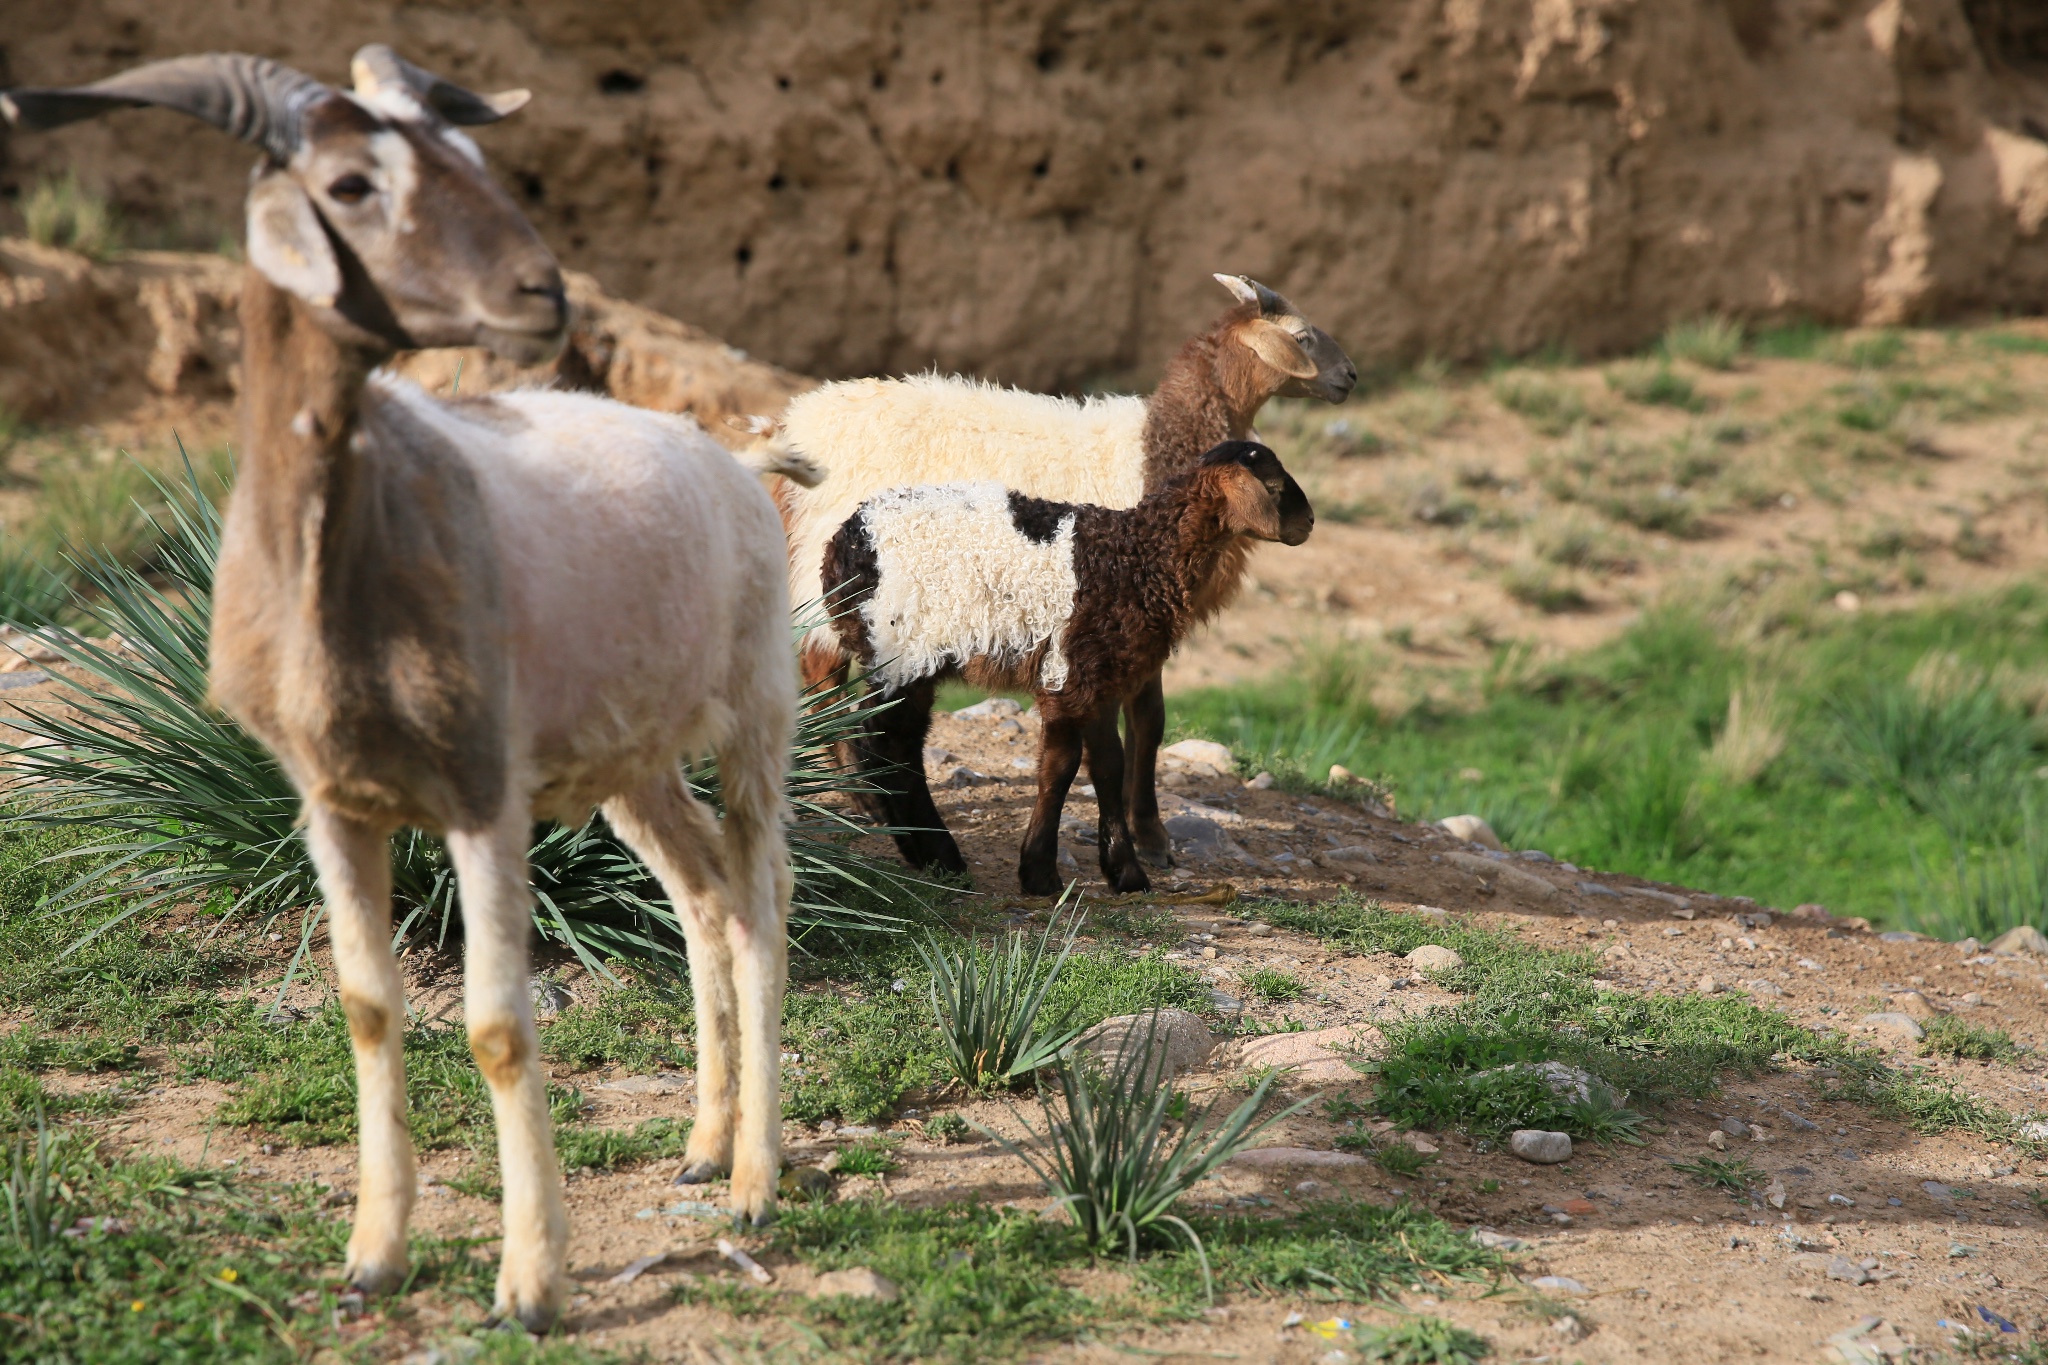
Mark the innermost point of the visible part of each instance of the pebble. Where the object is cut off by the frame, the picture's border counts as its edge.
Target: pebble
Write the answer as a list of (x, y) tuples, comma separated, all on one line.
[(859, 1282), (2024, 939), (1259, 930), (1179, 1042), (1902, 1025), (1768, 988), (1351, 853), (1911, 1003), (1718, 1140), (1473, 829), (1431, 957), (1497, 1241), (1541, 1148), (1710, 986), (1734, 1127), (1844, 1269), (1201, 756), (994, 708)]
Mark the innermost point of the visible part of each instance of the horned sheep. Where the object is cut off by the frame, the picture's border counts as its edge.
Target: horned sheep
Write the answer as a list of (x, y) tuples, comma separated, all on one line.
[(468, 615), (877, 434), (1080, 605)]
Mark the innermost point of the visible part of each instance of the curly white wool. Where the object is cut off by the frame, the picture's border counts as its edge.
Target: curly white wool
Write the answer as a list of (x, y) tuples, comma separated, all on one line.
[(958, 581), (932, 429)]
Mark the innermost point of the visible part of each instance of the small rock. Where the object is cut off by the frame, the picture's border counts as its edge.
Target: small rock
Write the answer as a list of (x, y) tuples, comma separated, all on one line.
[(1595, 889), (1497, 1241), (1734, 1127), (1306, 1189), (1204, 757), (1934, 1189), (550, 999), (1709, 986), (1541, 1148), (660, 1083), (2035, 1130), (1765, 988), (1473, 829), (1848, 1271), (1912, 1004), (1569, 1327), (1718, 1140), (1353, 856), (1568, 1083), (994, 708), (1810, 911), (1900, 936), (1259, 930), (1504, 875), (1200, 834), (1901, 1025), (1558, 1284), (1431, 957), (1069, 865), (1799, 1120), (804, 1180), (1225, 1004), (1969, 947), (857, 1283), (1341, 776), (960, 775), (1180, 1042), (1841, 1201), (2024, 939), (936, 757), (1973, 997), (1262, 782)]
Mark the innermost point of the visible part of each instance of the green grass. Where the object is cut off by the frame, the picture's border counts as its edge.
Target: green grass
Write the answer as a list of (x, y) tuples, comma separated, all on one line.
[(1949, 1036), (1734, 1175), (643, 1026), (1274, 986), (63, 213), (868, 1156), (1550, 404), (1603, 759), (1655, 384), (1421, 1341), (1712, 343)]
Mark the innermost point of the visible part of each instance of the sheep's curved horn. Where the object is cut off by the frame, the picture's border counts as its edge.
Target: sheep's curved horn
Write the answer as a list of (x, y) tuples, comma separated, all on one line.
[(1241, 289), (377, 68), (253, 98)]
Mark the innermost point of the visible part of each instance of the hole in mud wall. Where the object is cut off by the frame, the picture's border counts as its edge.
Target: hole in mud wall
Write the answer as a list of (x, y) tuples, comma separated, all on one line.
[(619, 81), (531, 186), (1753, 21), (2010, 33), (743, 257)]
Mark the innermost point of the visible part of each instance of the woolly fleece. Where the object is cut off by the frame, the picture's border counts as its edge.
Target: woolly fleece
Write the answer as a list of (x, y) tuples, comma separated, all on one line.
[(875, 434), (957, 580)]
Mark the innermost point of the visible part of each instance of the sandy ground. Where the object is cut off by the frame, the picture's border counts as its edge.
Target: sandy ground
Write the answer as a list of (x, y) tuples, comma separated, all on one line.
[(1942, 1224)]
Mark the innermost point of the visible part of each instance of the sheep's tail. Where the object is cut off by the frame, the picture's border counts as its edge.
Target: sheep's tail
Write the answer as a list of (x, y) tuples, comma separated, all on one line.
[(798, 469)]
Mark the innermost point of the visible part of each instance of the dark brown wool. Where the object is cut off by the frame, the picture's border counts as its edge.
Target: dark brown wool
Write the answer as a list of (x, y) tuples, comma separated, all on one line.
[(1141, 575)]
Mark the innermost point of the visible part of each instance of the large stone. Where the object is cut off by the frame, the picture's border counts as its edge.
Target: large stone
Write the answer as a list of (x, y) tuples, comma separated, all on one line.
[(1912, 1004), (1504, 876), (1179, 1042), (1202, 757), (1432, 957), (1473, 829), (2023, 939), (1269, 1158), (1898, 1025), (1543, 1149), (1320, 1055), (859, 1282)]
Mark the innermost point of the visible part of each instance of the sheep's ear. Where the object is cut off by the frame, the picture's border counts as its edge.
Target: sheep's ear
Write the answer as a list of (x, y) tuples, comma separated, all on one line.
[(1276, 346), (1248, 507), (753, 423), (287, 242)]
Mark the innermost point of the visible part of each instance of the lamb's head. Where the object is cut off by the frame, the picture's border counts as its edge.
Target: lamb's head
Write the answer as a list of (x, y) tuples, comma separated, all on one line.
[(1307, 361), (1260, 498), (371, 205)]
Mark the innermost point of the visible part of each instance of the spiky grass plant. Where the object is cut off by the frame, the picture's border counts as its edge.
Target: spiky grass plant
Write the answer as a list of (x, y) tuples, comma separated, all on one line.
[(34, 1195), (1421, 1341), (1122, 1146), (195, 810), (991, 1005)]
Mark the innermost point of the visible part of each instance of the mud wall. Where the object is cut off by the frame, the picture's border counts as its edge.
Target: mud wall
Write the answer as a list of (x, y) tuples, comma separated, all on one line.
[(1038, 190)]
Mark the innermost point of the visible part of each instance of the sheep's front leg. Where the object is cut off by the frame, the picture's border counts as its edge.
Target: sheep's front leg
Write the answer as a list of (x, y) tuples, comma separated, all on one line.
[(892, 751), (1116, 857), (1145, 727), (1059, 758), (354, 863), (490, 867)]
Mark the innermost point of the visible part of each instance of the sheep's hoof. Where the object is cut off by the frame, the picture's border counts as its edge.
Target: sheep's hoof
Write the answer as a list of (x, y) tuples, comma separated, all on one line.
[(1034, 881), (700, 1173), (1131, 878)]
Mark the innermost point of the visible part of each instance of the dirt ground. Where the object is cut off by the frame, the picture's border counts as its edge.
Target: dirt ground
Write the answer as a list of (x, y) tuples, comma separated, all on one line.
[(1671, 1271)]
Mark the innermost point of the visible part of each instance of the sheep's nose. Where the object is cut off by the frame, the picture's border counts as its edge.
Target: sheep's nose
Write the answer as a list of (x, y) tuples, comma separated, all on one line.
[(544, 282)]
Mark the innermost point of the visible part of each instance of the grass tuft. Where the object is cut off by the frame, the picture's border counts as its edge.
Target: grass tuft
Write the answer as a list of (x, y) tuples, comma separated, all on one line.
[(1421, 1341), (991, 1006), (1655, 384), (63, 213), (1714, 343), (1949, 1036)]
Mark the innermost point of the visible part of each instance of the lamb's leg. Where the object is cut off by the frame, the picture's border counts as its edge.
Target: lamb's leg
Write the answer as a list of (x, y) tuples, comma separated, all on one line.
[(1118, 860), (354, 862), (497, 923), (893, 759), (824, 668), (1145, 723), (1059, 758), (678, 839)]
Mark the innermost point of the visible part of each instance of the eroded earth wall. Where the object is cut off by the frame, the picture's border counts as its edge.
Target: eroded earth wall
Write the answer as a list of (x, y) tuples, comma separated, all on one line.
[(1037, 191)]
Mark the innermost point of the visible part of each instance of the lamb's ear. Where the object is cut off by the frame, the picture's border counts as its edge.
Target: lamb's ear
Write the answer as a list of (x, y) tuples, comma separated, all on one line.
[(753, 423), (1276, 346), (1248, 508), (287, 242)]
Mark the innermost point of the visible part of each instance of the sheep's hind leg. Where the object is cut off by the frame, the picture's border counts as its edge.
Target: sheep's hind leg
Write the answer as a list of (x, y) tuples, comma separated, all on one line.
[(892, 752), (497, 925), (1118, 860), (1059, 758), (677, 837), (354, 862), (1145, 724)]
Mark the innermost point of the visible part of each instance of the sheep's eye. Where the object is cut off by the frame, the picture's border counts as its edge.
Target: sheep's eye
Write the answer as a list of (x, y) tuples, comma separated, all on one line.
[(350, 189)]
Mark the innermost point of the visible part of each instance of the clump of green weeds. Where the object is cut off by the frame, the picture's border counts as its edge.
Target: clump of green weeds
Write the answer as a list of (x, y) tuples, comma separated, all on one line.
[(1714, 343), (1735, 1174), (868, 1156), (1654, 383), (947, 1128), (1551, 405), (1543, 587), (1949, 1036), (63, 213), (1421, 1341), (1273, 986), (641, 1026)]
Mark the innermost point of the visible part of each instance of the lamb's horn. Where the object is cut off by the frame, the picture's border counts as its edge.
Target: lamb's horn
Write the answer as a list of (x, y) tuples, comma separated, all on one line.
[(253, 98)]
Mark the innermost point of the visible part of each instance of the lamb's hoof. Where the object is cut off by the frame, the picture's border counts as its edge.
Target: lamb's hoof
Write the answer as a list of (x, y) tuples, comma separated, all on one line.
[(700, 1173), (1035, 883), (526, 1321), (372, 1278), (1131, 878)]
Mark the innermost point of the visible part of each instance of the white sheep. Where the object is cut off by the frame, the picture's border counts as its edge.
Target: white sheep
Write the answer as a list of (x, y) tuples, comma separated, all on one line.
[(468, 615), (877, 434)]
